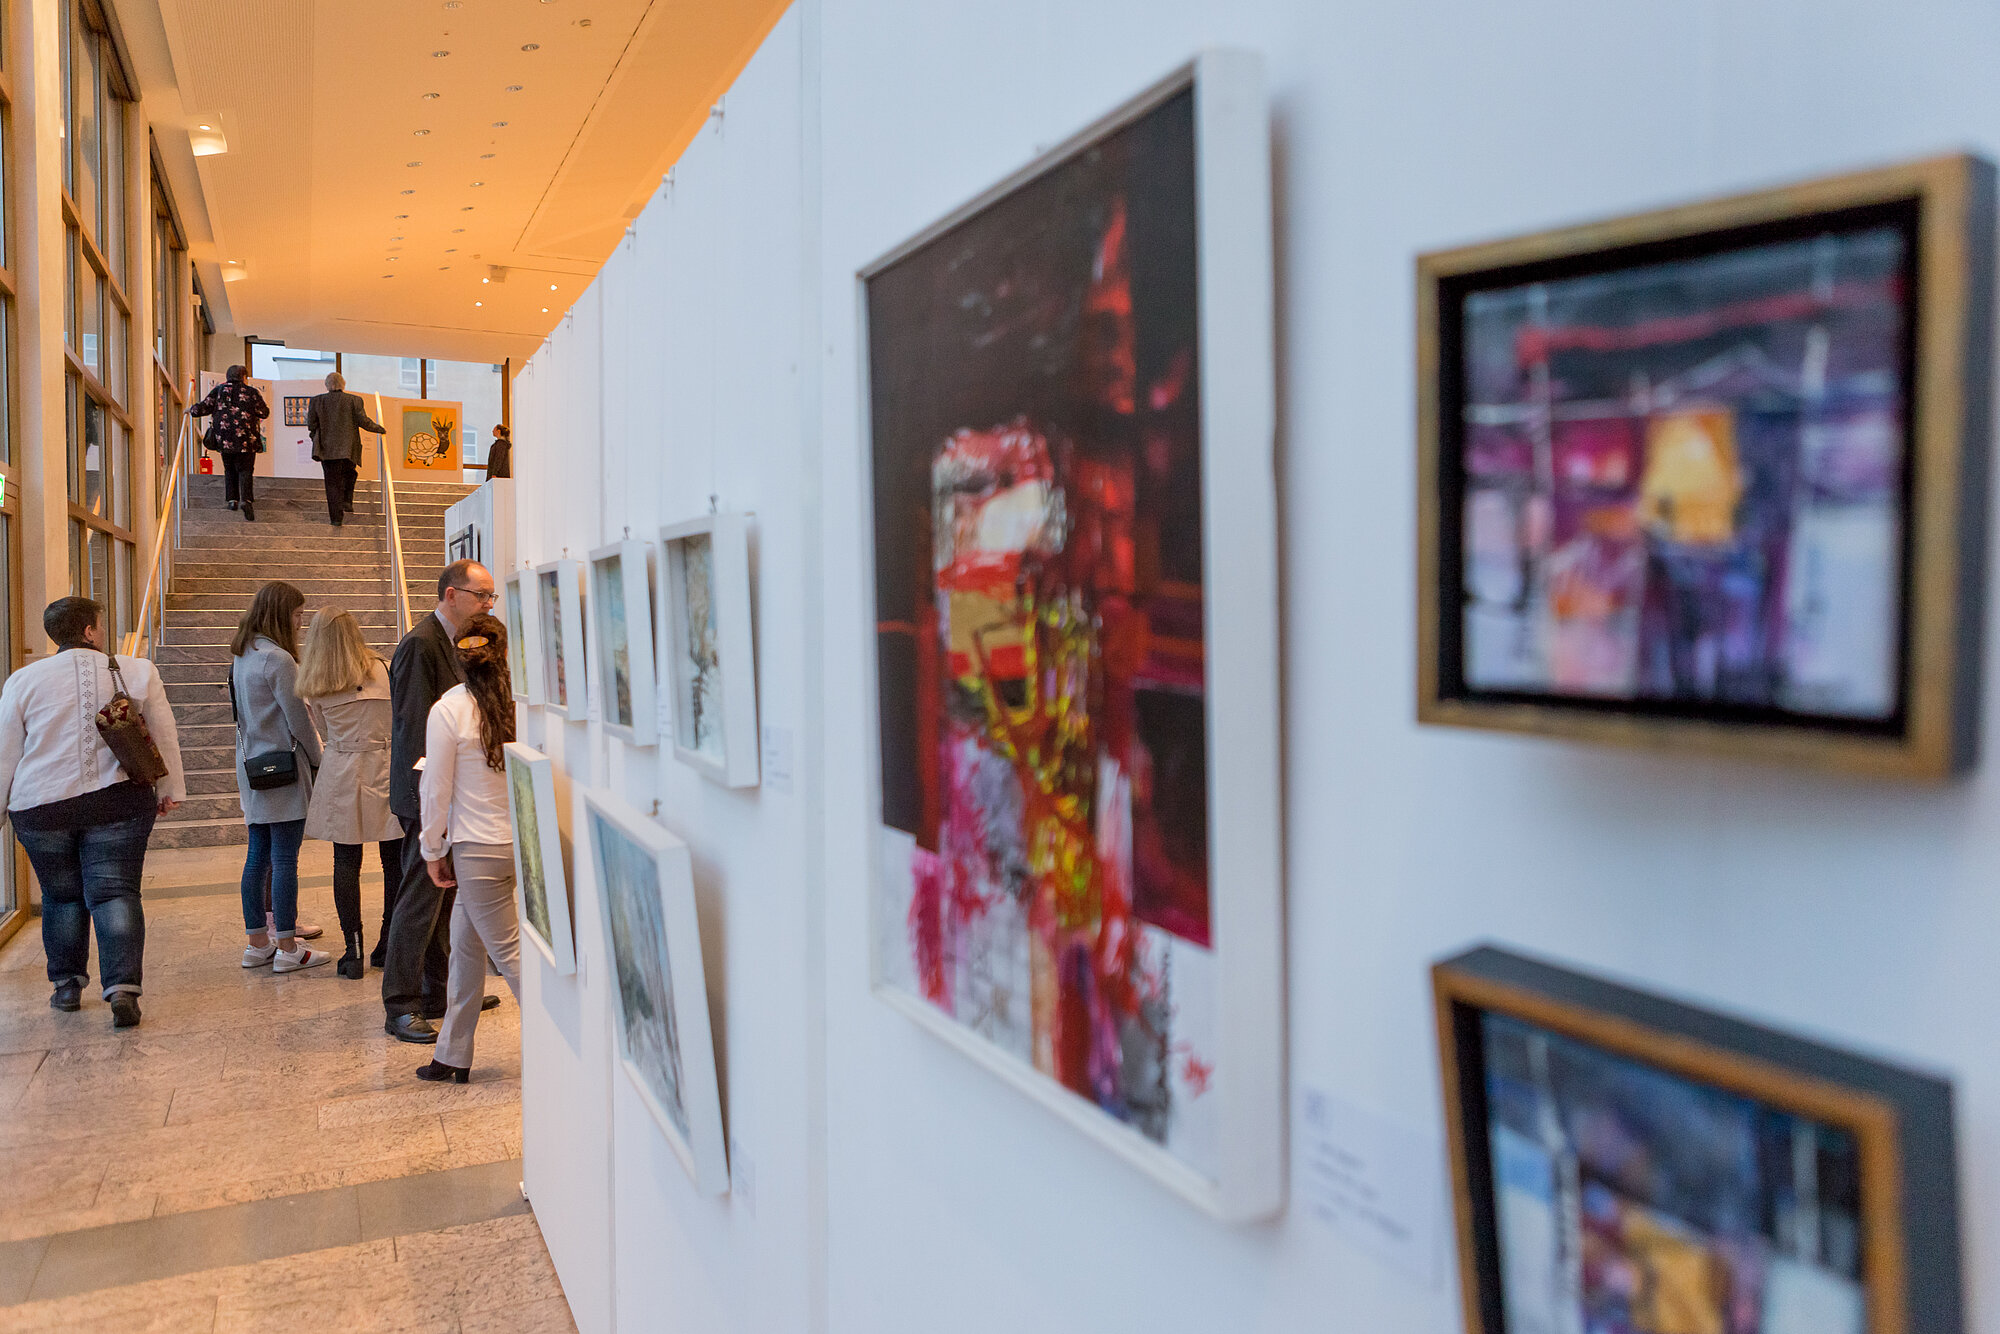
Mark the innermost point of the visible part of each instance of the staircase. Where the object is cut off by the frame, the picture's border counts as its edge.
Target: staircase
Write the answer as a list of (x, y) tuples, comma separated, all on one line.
[(222, 562)]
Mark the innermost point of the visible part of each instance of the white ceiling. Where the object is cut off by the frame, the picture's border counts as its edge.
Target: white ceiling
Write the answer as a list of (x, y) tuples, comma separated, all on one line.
[(343, 243)]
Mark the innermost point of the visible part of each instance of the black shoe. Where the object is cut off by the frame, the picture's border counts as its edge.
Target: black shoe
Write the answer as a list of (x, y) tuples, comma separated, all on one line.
[(68, 997), (381, 950), (347, 506), (124, 1010), (232, 504), (437, 1072), (351, 965), (490, 1003), (338, 524), (411, 1028), (249, 513)]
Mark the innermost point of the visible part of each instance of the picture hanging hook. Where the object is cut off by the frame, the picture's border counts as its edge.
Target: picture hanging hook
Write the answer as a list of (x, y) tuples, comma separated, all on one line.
[(628, 532), (713, 508)]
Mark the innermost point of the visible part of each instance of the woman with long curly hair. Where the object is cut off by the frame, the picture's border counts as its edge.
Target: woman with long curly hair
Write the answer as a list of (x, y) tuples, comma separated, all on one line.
[(468, 837)]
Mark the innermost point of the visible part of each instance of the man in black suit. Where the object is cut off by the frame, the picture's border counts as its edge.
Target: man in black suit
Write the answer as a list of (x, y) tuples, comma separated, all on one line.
[(335, 421), (414, 965)]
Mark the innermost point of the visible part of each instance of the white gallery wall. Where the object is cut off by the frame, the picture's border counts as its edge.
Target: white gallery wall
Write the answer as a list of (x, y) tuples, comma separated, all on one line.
[(886, 1184)]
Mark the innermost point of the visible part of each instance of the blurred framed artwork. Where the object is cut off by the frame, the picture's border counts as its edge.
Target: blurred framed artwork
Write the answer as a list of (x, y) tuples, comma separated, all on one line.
[(559, 628), (709, 647), (1625, 1162), (1070, 389), (621, 611), (1714, 478), (541, 878), (525, 674), (645, 884)]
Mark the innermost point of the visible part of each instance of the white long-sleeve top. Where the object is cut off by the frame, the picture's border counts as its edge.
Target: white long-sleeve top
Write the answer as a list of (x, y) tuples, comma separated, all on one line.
[(463, 801), (50, 749)]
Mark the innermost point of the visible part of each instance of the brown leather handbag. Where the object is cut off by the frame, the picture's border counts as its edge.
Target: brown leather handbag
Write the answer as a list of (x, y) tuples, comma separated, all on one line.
[(124, 730)]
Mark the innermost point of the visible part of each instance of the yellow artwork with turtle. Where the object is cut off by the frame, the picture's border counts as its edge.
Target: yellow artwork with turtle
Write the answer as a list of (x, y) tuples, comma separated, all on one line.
[(430, 438)]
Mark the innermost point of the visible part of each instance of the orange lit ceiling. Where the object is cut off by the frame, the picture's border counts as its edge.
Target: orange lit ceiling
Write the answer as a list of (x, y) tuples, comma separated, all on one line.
[(386, 155)]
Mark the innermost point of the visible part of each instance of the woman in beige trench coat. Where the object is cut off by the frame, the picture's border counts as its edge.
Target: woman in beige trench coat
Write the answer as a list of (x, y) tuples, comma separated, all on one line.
[(346, 686)]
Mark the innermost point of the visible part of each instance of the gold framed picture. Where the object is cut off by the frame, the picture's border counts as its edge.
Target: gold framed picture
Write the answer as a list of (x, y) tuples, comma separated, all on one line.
[(1713, 478)]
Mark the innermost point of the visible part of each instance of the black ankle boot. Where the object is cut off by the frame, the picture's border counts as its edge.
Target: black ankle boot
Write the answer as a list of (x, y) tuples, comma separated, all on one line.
[(350, 965), (381, 950), (437, 1072)]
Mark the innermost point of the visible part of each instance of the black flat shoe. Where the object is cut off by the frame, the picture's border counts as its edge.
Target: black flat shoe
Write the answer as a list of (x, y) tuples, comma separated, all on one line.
[(437, 1072), (232, 504), (376, 955), (490, 1003), (68, 997), (411, 1028), (250, 514), (124, 1010)]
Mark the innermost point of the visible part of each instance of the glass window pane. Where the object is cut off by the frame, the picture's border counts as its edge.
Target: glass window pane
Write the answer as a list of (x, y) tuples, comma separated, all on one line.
[(69, 289), (68, 26), (128, 605), (75, 558), (86, 64), (100, 572), (6, 380), (118, 336), (6, 153), (114, 190), (74, 452), (93, 456), (90, 316), (121, 473)]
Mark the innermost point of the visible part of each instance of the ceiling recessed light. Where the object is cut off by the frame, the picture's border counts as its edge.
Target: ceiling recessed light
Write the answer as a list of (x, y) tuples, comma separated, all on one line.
[(583, 23), (484, 156), (466, 209), (514, 87), (451, 250), (432, 97), (409, 192), (420, 133), (477, 184), (451, 4), (552, 287), (395, 238), (545, 310), (479, 303), (531, 46), (443, 267), (388, 275), (439, 55), (499, 124), (207, 127), (400, 217), (485, 280), (456, 230), (413, 164)]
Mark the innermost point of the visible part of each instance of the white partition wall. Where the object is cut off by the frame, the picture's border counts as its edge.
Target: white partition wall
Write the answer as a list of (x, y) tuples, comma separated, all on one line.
[(883, 1183)]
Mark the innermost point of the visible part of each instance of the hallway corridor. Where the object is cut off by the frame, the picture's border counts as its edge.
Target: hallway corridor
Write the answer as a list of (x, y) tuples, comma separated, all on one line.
[(256, 1150)]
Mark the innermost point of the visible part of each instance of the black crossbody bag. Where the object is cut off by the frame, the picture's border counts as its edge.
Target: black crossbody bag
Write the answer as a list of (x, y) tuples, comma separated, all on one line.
[(274, 768)]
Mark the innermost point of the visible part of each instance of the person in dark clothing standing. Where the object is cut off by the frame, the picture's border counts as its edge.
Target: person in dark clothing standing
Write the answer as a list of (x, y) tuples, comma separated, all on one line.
[(415, 965), (500, 454), (236, 435), (335, 421)]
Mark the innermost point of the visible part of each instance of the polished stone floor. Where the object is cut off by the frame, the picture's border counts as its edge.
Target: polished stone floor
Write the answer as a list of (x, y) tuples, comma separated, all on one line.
[(260, 1122)]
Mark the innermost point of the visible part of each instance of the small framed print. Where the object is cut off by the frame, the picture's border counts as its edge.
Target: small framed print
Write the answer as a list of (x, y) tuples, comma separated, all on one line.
[(1714, 478), (541, 877), (1621, 1161), (621, 611), (645, 884), (708, 649), (524, 641), (559, 619)]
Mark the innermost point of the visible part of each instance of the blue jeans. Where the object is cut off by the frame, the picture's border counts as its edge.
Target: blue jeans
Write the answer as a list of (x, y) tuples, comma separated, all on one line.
[(274, 848), (92, 876)]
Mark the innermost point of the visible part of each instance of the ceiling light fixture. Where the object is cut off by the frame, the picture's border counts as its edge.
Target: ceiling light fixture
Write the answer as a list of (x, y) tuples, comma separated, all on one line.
[(531, 46), (479, 303), (395, 238), (432, 97), (514, 87), (420, 133), (484, 156), (409, 192), (485, 280), (439, 55), (451, 250), (477, 184), (545, 310), (401, 216), (499, 124), (206, 127), (456, 230), (466, 209), (413, 164), (552, 287)]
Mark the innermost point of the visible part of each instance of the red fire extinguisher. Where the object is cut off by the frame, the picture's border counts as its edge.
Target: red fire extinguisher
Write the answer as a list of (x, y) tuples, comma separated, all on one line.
[(207, 466)]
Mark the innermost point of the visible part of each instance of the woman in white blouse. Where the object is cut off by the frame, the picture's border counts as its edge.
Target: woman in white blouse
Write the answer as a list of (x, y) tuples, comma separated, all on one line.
[(83, 820), (468, 837)]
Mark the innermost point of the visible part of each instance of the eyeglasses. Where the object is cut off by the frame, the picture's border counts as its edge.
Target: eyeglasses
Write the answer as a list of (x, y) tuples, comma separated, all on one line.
[(488, 598)]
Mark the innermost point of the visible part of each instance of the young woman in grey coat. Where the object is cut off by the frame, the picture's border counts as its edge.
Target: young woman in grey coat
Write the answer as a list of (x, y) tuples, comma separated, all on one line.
[(272, 719)]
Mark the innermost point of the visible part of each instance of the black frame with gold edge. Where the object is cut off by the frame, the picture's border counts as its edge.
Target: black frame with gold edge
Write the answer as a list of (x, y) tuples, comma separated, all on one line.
[(1947, 207), (1902, 1122)]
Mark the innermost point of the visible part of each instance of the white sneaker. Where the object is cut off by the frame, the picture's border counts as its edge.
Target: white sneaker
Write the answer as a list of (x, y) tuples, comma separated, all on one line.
[(258, 956), (305, 958)]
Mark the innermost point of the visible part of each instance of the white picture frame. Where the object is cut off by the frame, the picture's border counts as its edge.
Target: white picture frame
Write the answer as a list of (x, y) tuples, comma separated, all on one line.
[(1239, 619), (652, 931), (524, 639), (729, 754), (538, 844), (559, 617), (621, 577)]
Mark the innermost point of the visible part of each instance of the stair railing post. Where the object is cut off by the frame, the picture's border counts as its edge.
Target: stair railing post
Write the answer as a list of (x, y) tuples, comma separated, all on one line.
[(395, 532), (140, 639)]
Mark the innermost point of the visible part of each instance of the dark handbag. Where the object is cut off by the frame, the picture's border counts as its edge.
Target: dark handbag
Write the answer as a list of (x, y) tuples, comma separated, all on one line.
[(125, 733), (274, 768)]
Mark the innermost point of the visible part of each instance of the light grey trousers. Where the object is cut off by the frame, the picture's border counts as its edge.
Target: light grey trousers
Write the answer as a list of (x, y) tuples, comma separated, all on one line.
[(483, 922)]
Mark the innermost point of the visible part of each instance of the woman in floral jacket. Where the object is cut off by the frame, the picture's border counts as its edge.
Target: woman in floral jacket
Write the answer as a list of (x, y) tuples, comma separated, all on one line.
[(235, 434)]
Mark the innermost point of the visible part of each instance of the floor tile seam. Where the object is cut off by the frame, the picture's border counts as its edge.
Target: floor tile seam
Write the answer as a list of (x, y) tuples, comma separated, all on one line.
[(49, 1241)]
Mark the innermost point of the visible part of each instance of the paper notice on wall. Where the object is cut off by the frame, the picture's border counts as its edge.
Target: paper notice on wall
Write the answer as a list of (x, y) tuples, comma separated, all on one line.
[(1374, 1183)]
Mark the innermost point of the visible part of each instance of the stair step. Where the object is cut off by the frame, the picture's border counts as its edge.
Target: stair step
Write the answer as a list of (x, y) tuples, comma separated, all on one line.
[(208, 782), (198, 834), (200, 810)]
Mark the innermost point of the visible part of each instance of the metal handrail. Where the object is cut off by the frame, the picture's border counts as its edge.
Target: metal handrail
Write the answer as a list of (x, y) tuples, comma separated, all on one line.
[(394, 529), (140, 639)]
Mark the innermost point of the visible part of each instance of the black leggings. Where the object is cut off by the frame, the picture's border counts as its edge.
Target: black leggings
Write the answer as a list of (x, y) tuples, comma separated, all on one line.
[(347, 881)]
